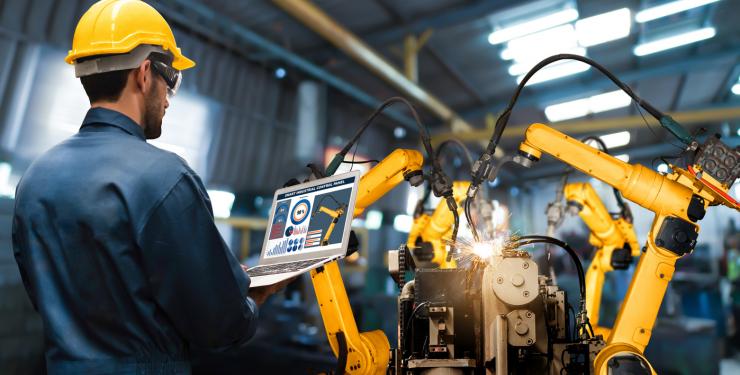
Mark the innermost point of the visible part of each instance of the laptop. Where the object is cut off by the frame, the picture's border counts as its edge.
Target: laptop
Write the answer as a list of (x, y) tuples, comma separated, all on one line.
[(309, 226)]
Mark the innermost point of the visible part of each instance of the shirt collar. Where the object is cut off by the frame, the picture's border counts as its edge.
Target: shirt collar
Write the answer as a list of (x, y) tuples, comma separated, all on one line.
[(104, 116)]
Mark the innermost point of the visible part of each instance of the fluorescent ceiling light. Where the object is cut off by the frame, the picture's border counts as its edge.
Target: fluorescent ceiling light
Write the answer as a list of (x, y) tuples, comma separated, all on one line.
[(543, 42), (736, 89), (615, 140), (608, 101), (567, 110), (403, 223), (594, 104), (623, 157), (222, 201), (523, 66), (556, 71), (667, 9), (663, 168), (674, 41), (604, 27), (532, 26), (373, 219)]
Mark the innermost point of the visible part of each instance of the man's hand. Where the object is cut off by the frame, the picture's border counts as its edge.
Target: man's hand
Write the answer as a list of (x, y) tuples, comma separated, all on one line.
[(260, 294)]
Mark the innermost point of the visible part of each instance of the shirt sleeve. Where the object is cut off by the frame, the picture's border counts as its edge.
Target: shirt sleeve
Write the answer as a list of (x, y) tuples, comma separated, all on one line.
[(194, 276)]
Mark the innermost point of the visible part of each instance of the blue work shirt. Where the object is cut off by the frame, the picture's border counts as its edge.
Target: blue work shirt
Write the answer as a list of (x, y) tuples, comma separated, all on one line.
[(119, 253)]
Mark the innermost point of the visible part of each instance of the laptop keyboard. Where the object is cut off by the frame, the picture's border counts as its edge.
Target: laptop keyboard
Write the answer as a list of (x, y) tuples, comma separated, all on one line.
[(282, 267)]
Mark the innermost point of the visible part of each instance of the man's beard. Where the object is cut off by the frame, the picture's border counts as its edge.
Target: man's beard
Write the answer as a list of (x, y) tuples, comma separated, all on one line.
[(152, 115)]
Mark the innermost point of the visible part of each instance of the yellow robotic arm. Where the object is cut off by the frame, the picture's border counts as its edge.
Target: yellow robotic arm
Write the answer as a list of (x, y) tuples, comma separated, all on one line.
[(608, 236), (436, 228), (678, 201), (366, 352), (334, 215)]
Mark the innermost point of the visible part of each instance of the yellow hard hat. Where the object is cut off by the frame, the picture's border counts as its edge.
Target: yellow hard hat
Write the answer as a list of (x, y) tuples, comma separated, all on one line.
[(119, 26)]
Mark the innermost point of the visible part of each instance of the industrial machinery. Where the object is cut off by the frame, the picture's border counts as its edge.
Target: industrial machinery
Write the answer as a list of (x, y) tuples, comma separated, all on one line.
[(615, 241), (495, 310), (678, 199), (498, 314), (430, 233)]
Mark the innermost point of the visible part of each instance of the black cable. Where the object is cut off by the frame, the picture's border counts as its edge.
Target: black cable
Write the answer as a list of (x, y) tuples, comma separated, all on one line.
[(482, 166), (408, 322), (360, 162), (460, 145), (624, 210), (441, 184), (532, 239), (469, 218), (504, 117)]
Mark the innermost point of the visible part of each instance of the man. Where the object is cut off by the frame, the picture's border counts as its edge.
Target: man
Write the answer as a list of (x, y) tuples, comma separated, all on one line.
[(115, 238)]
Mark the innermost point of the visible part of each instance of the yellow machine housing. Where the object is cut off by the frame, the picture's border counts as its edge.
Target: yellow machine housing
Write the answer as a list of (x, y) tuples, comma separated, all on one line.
[(366, 352), (607, 235), (436, 229), (678, 200)]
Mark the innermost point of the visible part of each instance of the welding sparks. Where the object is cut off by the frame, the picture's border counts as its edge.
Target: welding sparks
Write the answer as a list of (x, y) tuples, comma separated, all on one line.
[(482, 251)]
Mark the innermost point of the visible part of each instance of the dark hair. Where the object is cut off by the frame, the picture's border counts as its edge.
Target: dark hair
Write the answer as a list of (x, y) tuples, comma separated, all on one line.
[(106, 86)]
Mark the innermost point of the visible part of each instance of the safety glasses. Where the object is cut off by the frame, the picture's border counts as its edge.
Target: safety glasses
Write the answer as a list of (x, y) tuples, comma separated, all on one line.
[(172, 76)]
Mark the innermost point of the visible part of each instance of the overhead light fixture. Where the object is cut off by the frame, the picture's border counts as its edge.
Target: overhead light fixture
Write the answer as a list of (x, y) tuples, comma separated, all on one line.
[(623, 157), (608, 101), (403, 223), (604, 27), (222, 202), (667, 9), (674, 41), (582, 107), (556, 71), (736, 89), (399, 132), (533, 25), (527, 62), (373, 219), (280, 73), (541, 43), (615, 140), (663, 168)]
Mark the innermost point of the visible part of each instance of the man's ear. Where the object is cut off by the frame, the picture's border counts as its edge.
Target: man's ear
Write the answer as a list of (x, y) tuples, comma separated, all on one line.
[(142, 76)]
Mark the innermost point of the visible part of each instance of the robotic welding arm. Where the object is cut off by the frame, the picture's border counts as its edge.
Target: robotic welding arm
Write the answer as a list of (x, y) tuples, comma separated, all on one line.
[(334, 215), (366, 352), (615, 241), (678, 200), (431, 231)]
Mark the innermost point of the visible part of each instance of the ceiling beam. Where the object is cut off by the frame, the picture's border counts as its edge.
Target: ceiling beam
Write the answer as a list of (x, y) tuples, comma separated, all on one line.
[(321, 23), (204, 21)]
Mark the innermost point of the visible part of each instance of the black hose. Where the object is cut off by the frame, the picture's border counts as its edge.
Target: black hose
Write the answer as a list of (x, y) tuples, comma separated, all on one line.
[(504, 117), (444, 186), (460, 145), (624, 210), (532, 239)]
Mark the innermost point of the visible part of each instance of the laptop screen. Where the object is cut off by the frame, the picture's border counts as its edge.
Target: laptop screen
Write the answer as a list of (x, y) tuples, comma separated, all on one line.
[(311, 220)]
